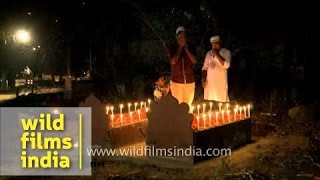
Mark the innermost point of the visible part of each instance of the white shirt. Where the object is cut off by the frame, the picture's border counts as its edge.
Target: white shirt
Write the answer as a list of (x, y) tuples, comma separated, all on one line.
[(217, 77)]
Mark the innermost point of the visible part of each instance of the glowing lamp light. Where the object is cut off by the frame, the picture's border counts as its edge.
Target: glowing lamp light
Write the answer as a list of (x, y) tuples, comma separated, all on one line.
[(56, 111), (23, 36)]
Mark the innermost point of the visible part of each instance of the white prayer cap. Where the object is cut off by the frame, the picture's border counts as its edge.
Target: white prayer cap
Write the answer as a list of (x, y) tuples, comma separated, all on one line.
[(214, 39), (179, 29)]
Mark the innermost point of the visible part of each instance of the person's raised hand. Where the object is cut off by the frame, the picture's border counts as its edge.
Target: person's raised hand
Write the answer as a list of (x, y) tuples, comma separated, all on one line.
[(215, 52)]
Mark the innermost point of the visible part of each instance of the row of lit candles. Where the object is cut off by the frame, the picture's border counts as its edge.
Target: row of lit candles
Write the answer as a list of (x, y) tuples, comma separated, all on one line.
[(121, 106), (130, 115), (246, 109), (222, 114)]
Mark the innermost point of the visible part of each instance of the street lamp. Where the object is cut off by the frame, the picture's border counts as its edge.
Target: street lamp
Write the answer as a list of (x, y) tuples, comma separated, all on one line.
[(22, 36)]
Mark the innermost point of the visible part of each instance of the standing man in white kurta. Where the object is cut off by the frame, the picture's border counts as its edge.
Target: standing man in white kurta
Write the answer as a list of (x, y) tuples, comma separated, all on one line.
[(214, 72)]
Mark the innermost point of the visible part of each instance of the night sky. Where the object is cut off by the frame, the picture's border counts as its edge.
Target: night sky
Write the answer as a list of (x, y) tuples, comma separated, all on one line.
[(248, 18), (253, 23)]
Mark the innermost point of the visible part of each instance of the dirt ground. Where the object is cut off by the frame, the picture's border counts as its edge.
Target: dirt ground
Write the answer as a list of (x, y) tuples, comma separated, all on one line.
[(269, 157)]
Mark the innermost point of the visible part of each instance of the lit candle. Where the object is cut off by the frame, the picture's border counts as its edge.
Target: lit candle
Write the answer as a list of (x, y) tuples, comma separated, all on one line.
[(121, 119), (135, 106), (220, 104), (209, 115), (145, 104), (235, 113), (210, 106), (222, 113), (130, 113), (141, 104), (227, 106), (112, 117), (204, 120), (107, 110), (198, 121), (129, 105), (240, 110), (147, 109), (248, 110), (192, 108), (149, 102), (245, 112), (217, 116), (112, 109), (203, 108), (139, 115), (228, 114), (198, 107), (121, 106)]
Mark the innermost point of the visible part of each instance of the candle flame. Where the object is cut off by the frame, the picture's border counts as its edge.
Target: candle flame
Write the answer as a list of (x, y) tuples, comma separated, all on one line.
[(192, 108), (204, 107)]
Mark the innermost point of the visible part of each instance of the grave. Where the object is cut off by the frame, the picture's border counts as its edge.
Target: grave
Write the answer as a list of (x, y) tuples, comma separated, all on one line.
[(168, 125)]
